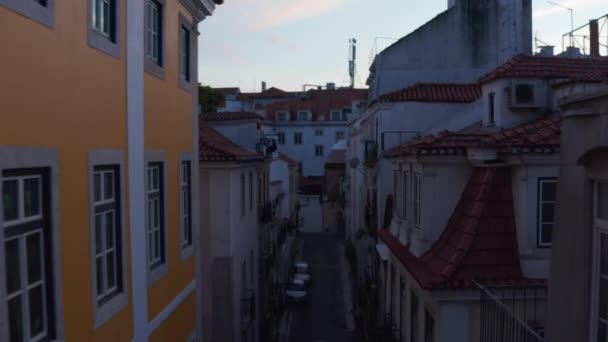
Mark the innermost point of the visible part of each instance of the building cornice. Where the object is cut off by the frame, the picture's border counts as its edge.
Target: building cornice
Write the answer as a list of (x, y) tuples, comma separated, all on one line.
[(200, 8)]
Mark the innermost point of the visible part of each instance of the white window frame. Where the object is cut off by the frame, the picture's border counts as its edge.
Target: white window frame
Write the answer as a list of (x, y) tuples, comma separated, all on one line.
[(282, 116), (298, 138), (156, 272), (405, 195), (600, 227), (103, 312), (185, 206), (319, 151), (340, 135), (417, 199), (302, 113), (154, 31), (540, 202), (27, 158), (98, 19), (186, 52), (281, 138), (318, 132), (333, 113)]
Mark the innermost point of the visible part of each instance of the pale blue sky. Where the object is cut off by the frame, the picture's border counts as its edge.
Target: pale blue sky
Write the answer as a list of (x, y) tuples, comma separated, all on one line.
[(288, 43)]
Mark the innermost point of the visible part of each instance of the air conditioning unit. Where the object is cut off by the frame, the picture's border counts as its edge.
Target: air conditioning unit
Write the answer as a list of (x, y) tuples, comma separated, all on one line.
[(527, 95)]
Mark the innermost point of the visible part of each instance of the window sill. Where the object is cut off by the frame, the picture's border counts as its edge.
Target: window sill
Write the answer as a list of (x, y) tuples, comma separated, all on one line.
[(29, 9), (110, 309), (187, 252), (185, 85), (156, 274), (102, 43), (154, 69)]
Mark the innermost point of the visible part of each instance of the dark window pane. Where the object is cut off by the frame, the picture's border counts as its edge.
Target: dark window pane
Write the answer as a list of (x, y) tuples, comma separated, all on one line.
[(156, 213), (108, 184), (34, 258), (111, 269), (549, 189), (97, 186), (31, 193), (548, 212), (547, 233), (602, 201), (13, 276), (602, 332), (150, 246), (10, 198), (15, 319), (157, 244), (110, 229), (36, 311), (99, 272), (604, 254), (98, 233), (603, 302)]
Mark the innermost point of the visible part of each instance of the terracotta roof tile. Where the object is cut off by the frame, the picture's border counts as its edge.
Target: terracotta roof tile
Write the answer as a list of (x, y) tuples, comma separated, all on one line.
[(216, 147), (319, 102), (435, 92), (479, 243), (228, 116), (524, 66)]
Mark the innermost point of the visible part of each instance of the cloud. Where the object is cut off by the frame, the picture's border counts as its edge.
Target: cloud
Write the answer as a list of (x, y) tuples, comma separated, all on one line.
[(280, 40), (552, 9), (266, 14)]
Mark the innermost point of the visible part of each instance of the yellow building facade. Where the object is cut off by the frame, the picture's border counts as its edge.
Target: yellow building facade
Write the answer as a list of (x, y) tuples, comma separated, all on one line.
[(99, 128)]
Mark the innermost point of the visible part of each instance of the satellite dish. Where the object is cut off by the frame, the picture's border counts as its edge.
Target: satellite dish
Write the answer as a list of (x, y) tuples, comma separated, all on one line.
[(354, 163)]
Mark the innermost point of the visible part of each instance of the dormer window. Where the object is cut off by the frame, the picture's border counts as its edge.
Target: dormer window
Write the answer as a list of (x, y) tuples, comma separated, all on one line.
[(336, 115), (303, 116), (282, 116)]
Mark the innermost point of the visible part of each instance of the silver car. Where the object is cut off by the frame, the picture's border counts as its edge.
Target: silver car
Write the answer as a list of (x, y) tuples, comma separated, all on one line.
[(296, 292)]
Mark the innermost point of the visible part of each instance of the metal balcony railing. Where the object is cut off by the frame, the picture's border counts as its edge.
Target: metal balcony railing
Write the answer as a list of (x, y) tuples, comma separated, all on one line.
[(509, 314)]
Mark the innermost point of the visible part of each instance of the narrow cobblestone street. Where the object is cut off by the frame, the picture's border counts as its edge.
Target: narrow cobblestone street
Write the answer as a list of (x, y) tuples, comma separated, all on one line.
[(322, 318)]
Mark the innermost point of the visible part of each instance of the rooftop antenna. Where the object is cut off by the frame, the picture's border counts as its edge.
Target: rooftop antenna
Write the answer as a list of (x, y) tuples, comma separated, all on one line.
[(352, 57), (571, 20)]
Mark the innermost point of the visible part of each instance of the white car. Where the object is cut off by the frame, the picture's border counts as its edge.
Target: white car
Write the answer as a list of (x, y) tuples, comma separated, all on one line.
[(296, 291), (301, 267), (301, 271)]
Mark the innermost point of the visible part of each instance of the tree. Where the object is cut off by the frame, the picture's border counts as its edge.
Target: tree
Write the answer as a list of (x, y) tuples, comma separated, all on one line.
[(209, 99)]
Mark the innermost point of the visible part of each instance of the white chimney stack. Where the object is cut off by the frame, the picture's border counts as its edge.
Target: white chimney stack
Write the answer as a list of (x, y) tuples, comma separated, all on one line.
[(263, 85)]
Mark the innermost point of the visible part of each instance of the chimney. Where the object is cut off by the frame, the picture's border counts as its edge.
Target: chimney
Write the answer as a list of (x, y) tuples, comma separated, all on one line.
[(330, 86), (546, 51), (594, 37), (263, 85)]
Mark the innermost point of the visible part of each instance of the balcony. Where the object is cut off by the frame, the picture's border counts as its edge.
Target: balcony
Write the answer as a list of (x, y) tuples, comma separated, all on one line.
[(512, 314)]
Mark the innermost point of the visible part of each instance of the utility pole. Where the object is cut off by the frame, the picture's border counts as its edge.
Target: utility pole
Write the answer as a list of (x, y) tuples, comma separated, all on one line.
[(352, 57)]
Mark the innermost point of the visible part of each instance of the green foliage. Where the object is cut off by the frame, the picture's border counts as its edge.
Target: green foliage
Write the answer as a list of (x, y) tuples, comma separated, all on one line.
[(209, 98)]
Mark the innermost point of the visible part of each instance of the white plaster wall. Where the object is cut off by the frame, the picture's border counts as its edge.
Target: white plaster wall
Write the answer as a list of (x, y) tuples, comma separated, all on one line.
[(244, 133), (535, 261), (311, 212), (219, 211), (279, 171), (312, 165), (453, 322)]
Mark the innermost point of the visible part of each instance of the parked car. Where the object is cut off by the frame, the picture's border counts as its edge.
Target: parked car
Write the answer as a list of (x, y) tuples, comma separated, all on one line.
[(301, 271), (296, 292)]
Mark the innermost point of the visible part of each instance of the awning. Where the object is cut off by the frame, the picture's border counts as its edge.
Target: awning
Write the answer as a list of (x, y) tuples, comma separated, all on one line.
[(383, 251)]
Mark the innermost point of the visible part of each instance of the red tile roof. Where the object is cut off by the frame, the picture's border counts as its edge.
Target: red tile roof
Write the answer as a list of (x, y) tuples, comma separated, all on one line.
[(216, 147), (541, 135), (336, 157), (319, 102), (290, 161), (438, 92), (524, 66), (228, 116), (271, 93), (479, 242)]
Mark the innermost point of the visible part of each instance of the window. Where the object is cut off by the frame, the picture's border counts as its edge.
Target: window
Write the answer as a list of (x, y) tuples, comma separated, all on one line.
[(154, 37), (404, 195), (395, 187), (600, 272), (319, 150), (103, 33), (417, 202), (242, 195), (27, 235), (156, 215), (282, 116), (336, 116), (250, 191), (281, 138), (318, 132), (414, 317), (185, 51), (429, 328), (547, 197), (302, 116), (339, 136), (41, 11), (491, 109), (297, 138), (186, 206)]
